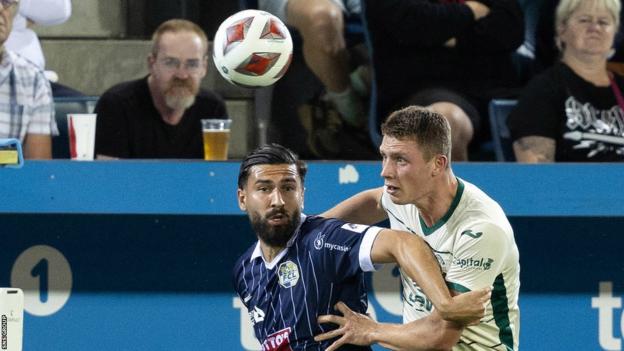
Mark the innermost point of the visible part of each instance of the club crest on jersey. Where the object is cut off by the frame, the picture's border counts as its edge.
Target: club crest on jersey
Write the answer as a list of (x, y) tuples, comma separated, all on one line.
[(277, 341), (288, 273), (358, 228), (319, 241)]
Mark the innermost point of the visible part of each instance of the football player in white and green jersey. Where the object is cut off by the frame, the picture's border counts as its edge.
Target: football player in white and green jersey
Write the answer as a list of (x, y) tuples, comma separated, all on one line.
[(467, 231)]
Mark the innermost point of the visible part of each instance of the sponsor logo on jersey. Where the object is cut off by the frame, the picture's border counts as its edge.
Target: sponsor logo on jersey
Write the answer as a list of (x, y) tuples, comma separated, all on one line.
[(256, 315), (358, 228), (471, 234), (318, 242), (472, 263), (416, 298), (277, 341), (288, 273), (337, 247)]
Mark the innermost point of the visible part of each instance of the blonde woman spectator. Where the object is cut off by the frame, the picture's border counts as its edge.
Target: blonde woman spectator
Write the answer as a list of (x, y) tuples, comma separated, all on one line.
[(574, 110)]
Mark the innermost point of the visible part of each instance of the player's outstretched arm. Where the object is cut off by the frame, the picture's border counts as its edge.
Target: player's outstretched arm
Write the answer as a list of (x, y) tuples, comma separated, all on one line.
[(416, 259), (363, 208), (430, 333)]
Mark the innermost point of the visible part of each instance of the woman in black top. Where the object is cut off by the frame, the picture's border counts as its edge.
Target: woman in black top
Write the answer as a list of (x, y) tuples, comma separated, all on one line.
[(573, 111)]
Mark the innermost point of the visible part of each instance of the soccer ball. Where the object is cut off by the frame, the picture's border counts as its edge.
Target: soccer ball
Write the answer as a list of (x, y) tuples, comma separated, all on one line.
[(252, 48)]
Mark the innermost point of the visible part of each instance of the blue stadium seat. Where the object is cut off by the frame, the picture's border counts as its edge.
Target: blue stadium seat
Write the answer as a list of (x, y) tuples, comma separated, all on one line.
[(499, 109), (62, 107)]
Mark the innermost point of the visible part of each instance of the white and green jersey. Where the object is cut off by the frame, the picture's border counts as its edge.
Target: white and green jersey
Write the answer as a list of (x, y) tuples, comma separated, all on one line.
[(475, 246)]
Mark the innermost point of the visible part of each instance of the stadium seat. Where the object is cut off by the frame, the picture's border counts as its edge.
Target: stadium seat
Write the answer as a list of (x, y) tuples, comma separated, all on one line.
[(499, 109), (62, 107)]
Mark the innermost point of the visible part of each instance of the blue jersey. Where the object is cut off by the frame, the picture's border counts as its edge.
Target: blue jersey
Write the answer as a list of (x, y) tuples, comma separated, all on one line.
[(322, 264)]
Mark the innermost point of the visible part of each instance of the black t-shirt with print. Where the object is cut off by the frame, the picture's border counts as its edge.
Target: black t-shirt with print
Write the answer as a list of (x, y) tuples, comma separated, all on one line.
[(585, 120)]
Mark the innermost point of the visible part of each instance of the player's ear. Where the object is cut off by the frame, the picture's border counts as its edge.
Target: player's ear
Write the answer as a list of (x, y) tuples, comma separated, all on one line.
[(242, 197), (440, 163), (302, 196)]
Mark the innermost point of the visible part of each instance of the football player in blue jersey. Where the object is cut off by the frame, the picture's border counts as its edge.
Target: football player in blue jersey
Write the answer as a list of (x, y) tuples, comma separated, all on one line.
[(302, 266)]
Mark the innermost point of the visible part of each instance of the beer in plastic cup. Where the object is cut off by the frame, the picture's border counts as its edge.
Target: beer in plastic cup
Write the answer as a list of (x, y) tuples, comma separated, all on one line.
[(81, 130), (216, 135)]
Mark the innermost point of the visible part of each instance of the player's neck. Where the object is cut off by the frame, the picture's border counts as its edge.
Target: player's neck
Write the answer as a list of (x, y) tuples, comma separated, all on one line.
[(270, 252), (435, 206), (590, 67)]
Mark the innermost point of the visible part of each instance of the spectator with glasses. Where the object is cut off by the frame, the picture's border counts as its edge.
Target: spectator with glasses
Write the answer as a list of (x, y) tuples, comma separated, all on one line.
[(26, 108), (158, 116)]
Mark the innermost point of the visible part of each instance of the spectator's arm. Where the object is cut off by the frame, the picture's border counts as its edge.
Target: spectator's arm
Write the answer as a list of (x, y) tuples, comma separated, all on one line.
[(501, 30), (42, 124), (46, 12), (534, 149), (418, 23), (479, 10), (38, 146)]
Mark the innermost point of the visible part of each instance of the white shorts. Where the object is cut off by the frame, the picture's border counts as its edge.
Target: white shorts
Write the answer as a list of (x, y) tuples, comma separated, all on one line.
[(278, 7)]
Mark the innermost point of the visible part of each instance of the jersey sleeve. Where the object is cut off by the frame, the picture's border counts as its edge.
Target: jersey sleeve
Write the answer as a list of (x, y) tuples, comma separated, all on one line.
[(348, 247), (478, 257)]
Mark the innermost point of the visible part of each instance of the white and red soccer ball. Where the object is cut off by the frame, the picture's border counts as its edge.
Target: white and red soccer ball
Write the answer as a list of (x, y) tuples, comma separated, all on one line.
[(252, 48)]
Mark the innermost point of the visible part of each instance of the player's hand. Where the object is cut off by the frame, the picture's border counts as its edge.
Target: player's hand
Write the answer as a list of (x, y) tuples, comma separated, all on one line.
[(467, 308), (353, 328)]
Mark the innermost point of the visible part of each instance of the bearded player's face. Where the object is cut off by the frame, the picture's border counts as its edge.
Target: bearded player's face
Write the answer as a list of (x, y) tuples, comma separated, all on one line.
[(273, 199)]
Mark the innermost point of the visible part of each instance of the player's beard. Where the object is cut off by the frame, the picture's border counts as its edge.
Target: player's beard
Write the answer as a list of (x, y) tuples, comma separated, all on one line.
[(275, 236), (180, 94)]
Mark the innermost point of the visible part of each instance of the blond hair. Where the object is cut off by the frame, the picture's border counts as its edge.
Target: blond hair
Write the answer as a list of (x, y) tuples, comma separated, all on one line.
[(176, 26)]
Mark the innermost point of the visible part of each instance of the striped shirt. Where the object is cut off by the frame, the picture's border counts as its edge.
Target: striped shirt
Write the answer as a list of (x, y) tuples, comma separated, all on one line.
[(26, 105), (322, 264)]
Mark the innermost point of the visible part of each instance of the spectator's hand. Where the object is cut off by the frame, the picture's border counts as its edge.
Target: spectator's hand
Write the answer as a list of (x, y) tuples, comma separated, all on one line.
[(479, 10), (501, 30), (467, 308), (353, 328), (451, 43)]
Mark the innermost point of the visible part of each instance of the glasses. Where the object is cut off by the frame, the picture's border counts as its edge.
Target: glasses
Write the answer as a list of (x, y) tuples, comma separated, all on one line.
[(173, 64), (8, 3)]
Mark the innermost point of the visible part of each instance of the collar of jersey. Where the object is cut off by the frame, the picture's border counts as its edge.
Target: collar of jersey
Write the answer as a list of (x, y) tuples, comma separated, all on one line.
[(429, 230), (270, 265)]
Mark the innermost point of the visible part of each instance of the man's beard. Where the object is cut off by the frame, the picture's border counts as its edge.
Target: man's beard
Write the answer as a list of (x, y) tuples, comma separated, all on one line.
[(275, 236), (180, 94)]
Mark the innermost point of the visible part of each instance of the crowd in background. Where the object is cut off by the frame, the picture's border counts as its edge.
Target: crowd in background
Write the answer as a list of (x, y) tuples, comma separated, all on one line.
[(453, 57)]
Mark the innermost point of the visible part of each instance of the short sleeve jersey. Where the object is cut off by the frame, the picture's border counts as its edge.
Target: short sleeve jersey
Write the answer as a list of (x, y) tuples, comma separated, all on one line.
[(475, 246), (322, 264)]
